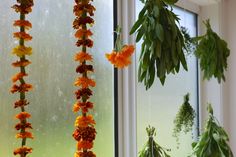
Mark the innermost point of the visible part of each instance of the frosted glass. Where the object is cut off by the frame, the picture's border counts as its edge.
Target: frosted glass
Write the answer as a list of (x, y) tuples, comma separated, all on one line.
[(52, 74), (158, 106)]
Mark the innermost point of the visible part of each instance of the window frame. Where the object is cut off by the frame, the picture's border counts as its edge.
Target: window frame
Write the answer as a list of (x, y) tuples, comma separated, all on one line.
[(125, 82)]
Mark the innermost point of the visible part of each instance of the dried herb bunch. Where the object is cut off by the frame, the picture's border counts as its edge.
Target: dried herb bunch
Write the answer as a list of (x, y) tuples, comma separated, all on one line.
[(212, 52), (214, 140), (151, 148), (184, 119), (163, 45)]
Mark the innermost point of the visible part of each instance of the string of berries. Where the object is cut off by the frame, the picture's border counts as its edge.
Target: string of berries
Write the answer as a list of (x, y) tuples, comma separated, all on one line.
[(23, 7), (84, 133)]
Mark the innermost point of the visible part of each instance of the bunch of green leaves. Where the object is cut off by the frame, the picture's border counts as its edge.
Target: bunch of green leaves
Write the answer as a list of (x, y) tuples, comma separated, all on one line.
[(151, 148), (162, 41), (214, 140), (190, 44), (212, 52), (184, 119)]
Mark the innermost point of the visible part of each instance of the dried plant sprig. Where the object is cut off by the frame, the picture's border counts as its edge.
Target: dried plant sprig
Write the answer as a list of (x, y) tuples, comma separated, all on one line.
[(23, 7)]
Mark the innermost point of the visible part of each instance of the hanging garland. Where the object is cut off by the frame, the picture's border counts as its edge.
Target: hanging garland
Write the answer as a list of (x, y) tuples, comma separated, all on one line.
[(23, 7), (85, 132)]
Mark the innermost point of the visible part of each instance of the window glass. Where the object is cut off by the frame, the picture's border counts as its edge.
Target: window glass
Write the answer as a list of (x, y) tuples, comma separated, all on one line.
[(158, 106), (52, 73)]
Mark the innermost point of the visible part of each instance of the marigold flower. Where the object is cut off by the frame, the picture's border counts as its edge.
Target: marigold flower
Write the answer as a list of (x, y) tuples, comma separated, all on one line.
[(21, 103), (18, 76), (81, 33), (23, 23), (84, 154), (23, 63), (79, 9), (85, 134), (23, 115), (23, 151), (127, 50), (21, 88), (83, 56), (84, 121), (85, 42), (84, 68), (85, 82), (123, 58), (84, 145), (22, 35), (79, 21), (21, 9), (24, 135), (84, 92), (25, 126), (20, 51), (84, 106)]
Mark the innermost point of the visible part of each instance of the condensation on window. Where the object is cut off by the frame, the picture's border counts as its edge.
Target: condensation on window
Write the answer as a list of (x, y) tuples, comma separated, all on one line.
[(52, 73)]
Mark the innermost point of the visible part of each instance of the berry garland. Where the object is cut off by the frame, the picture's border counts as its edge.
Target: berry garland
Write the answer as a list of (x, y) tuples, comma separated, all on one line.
[(85, 132), (23, 7)]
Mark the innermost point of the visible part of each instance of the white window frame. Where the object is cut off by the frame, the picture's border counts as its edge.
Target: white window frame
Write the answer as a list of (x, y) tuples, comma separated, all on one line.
[(127, 81)]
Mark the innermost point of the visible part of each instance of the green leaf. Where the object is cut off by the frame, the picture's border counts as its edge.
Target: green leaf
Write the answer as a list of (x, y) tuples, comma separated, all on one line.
[(159, 32)]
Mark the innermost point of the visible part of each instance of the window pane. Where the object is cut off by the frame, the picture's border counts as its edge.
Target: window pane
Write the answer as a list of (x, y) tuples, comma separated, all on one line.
[(158, 106), (52, 74)]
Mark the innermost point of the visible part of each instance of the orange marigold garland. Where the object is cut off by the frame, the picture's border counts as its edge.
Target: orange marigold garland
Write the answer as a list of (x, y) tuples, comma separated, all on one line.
[(23, 7), (85, 132), (121, 55)]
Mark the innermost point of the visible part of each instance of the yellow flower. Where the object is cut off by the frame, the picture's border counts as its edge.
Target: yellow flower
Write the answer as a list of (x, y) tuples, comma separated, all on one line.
[(20, 51)]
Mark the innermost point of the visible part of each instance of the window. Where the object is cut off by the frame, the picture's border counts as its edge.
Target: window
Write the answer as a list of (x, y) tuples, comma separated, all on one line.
[(158, 106), (52, 74)]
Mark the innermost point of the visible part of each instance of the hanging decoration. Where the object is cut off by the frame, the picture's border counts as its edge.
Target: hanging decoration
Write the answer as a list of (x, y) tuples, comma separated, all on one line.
[(85, 131), (23, 7), (163, 44), (212, 51), (213, 142), (121, 55), (151, 148), (184, 119)]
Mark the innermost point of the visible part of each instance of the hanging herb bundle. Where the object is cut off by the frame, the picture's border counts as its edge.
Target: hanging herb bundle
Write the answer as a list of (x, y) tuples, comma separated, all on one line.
[(184, 119), (23, 7), (85, 132), (212, 52), (151, 148), (163, 45), (190, 44), (121, 55), (214, 140)]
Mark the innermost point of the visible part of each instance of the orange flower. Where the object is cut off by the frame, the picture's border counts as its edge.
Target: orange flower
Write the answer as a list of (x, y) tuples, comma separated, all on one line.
[(23, 115), (85, 82), (84, 145), (81, 33), (21, 9), (23, 63), (79, 9), (24, 135), (111, 57), (83, 56), (85, 134), (79, 21), (21, 103), (84, 106), (23, 151), (85, 42), (23, 23), (24, 126), (123, 58), (84, 121), (22, 35), (21, 88), (127, 50), (18, 76), (84, 154)]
